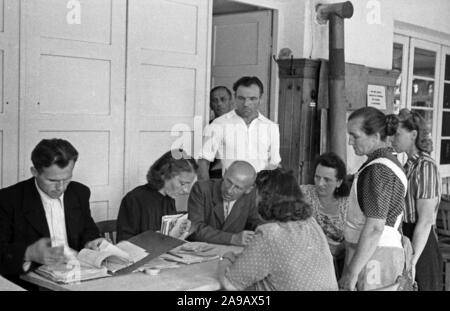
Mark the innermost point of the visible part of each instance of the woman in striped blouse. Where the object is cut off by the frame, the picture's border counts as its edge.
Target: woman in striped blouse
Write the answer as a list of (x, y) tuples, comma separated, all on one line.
[(422, 199)]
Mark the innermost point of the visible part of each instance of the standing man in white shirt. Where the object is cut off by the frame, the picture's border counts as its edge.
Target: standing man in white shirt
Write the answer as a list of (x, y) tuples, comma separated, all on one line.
[(44, 217), (242, 134)]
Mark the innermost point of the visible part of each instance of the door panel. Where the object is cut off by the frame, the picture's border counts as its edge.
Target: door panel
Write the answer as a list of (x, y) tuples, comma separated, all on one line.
[(166, 81), (9, 91), (73, 88), (242, 47)]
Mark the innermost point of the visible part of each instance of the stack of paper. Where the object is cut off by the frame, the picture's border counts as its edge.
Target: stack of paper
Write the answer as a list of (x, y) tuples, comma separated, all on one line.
[(159, 263), (190, 253), (188, 258), (66, 273)]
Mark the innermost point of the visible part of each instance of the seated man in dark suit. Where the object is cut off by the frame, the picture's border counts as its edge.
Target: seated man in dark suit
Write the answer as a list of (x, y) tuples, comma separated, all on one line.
[(223, 211), (43, 218)]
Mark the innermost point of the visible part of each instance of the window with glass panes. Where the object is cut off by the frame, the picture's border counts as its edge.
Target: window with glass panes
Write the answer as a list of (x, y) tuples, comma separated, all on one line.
[(445, 128), (424, 86)]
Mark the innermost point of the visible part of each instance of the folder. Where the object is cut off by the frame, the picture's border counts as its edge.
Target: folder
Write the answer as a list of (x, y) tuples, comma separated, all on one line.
[(154, 243)]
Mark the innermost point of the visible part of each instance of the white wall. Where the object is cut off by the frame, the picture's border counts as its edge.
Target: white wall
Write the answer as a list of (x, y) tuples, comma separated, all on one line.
[(291, 21), (369, 35), (432, 14)]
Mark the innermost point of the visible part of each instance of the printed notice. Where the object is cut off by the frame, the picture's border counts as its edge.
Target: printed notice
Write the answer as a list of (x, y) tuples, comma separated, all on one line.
[(376, 96)]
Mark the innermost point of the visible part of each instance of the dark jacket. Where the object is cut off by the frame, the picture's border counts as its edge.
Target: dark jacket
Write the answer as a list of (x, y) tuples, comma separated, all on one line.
[(205, 209), (142, 209), (23, 221)]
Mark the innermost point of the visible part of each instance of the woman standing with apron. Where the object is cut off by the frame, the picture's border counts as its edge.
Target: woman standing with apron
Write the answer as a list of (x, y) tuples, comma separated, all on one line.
[(374, 253)]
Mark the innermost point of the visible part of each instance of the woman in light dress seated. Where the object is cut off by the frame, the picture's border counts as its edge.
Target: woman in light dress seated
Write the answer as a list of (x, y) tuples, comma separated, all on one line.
[(289, 251), (329, 199)]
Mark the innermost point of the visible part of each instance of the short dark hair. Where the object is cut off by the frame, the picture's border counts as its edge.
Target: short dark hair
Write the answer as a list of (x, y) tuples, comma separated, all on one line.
[(53, 151), (249, 81), (281, 197), (169, 165), (332, 160), (221, 87), (375, 121)]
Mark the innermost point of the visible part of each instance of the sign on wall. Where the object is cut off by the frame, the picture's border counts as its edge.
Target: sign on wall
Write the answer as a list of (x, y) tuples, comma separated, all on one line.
[(376, 96)]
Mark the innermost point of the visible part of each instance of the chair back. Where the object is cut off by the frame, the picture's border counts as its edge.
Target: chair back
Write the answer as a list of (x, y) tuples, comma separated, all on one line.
[(107, 229)]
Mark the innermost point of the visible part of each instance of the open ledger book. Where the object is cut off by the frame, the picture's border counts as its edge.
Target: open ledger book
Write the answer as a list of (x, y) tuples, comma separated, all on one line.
[(89, 264)]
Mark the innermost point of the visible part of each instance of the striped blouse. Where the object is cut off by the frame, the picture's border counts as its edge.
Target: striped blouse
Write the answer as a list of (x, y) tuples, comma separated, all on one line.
[(423, 183)]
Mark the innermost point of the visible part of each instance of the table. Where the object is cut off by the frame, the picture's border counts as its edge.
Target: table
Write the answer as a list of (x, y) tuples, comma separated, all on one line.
[(6, 286), (194, 277)]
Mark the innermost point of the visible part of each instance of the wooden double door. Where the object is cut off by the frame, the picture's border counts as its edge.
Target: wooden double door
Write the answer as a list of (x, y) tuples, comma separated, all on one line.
[(124, 81)]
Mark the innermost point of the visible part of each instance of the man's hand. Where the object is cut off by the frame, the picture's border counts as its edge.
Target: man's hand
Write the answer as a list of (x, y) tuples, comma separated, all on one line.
[(94, 244), (42, 252), (242, 238)]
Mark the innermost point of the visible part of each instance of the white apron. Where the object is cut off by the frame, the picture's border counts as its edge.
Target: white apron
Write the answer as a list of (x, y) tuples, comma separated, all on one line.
[(387, 262), (356, 219)]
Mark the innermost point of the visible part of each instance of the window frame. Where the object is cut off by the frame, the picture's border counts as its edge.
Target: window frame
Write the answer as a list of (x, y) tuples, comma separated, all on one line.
[(429, 46), (444, 168), (410, 39), (404, 41)]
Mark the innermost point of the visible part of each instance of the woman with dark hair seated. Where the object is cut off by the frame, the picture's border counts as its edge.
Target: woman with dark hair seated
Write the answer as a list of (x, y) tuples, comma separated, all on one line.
[(142, 208), (329, 199), (289, 251)]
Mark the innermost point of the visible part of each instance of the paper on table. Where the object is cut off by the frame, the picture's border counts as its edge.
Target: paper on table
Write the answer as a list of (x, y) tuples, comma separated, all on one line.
[(189, 258), (196, 247), (66, 274), (93, 258), (135, 252), (114, 250), (159, 263)]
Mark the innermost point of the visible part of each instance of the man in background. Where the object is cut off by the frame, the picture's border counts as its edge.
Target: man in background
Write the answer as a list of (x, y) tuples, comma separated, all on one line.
[(220, 102)]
